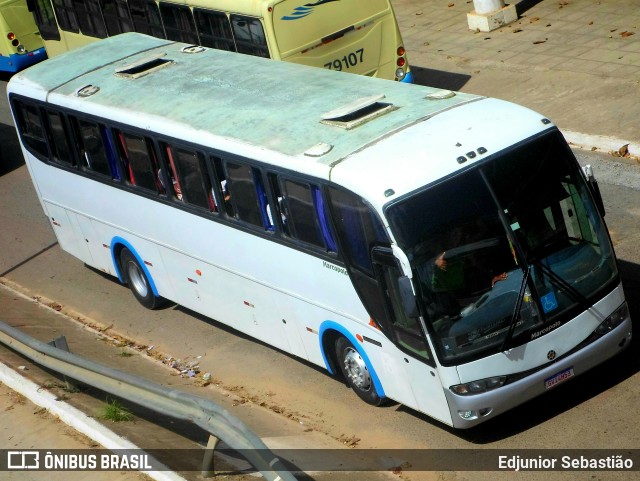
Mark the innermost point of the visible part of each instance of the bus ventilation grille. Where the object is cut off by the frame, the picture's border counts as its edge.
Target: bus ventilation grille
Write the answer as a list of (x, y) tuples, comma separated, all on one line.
[(358, 112), (143, 67)]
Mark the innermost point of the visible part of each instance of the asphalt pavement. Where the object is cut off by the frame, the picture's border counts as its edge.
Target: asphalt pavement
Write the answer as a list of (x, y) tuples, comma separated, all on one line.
[(575, 61)]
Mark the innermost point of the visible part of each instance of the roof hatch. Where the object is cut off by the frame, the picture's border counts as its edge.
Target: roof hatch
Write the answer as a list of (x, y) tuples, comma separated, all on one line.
[(358, 112), (143, 67)]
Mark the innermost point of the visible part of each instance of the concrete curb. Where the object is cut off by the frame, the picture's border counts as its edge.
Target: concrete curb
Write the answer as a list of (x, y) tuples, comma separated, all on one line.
[(74, 418), (600, 142)]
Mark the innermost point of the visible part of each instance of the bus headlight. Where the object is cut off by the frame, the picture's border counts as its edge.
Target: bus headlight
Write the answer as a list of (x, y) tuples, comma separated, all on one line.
[(614, 320), (21, 49), (400, 73), (477, 387)]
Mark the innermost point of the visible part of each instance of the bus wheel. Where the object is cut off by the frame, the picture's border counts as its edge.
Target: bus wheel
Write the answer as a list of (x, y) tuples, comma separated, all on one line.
[(135, 277), (356, 373)]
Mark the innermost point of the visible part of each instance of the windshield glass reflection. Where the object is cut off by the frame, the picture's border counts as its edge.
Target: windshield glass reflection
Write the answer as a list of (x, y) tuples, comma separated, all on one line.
[(504, 249)]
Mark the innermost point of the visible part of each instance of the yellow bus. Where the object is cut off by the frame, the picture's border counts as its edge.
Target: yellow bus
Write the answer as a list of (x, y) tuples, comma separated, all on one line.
[(20, 42), (357, 36)]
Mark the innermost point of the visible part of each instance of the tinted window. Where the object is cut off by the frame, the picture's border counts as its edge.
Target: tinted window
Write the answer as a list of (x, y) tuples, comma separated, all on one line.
[(139, 161), (90, 18), (358, 228), (194, 180), (214, 29), (249, 36), (225, 195), (31, 129), (243, 194), (178, 23), (59, 140), (66, 15), (146, 18), (116, 16), (95, 154), (46, 21), (300, 216)]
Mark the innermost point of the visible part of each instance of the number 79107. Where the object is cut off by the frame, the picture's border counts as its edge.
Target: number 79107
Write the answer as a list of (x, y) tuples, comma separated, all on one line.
[(346, 62)]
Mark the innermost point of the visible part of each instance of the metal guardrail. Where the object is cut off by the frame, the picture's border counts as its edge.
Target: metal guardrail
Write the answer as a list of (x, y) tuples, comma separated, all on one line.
[(217, 421)]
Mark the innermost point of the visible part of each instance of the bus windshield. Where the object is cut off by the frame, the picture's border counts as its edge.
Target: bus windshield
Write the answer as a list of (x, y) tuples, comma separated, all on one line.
[(505, 252)]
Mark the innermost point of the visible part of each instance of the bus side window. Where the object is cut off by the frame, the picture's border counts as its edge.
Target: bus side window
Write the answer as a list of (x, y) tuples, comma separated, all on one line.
[(194, 178), (59, 139), (358, 227), (174, 180), (214, 29), (140, 162), (244, 195), (302, 221), (31, 129), (178, 23), (90, 18), (46, 20), (323, 217), (145, 15), (221, 177), (116, 16), (92, 150), (66, 15), (249, 35)]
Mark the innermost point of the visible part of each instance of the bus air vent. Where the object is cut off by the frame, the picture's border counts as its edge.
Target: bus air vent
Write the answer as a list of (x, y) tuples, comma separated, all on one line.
[(441, 95), (357, 113), (143, 67), (87, 91), (192, 49), (318, 150)]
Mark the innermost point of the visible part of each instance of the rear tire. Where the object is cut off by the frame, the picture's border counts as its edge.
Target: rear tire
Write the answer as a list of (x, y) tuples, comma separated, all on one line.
[(356, 373), (135, 277)]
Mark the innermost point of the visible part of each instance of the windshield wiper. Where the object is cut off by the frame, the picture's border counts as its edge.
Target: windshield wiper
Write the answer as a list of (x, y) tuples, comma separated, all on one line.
[(560, 282), (516, 310)]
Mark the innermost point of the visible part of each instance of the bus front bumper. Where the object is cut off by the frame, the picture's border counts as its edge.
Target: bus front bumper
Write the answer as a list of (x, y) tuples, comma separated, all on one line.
[(468, 411)]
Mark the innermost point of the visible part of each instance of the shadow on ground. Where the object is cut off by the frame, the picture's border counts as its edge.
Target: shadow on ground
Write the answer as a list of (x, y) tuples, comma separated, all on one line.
[(439, 78), (10, 154)]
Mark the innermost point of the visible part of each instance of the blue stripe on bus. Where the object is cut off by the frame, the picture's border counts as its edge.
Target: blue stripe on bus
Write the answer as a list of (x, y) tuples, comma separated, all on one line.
[(16, 62), (408, 78), (327, 325), (119, 240)]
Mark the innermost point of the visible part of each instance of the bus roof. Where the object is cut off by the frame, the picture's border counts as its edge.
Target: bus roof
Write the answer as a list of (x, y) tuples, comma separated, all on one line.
[(271, 111)]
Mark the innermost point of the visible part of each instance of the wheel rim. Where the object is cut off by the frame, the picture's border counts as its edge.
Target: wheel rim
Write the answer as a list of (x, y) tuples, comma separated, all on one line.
[(137, 279), (356, 369)]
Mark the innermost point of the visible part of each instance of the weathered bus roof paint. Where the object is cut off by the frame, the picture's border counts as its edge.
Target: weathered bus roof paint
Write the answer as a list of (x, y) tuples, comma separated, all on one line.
[(248, 104), (275, 105)]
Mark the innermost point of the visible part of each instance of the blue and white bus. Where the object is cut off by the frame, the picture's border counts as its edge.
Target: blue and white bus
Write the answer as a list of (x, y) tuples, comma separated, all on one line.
[(382, 231)]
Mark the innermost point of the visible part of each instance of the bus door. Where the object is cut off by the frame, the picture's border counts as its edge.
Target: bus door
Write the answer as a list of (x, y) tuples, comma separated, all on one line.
[(406, 329), (348, 36), (377, 277)]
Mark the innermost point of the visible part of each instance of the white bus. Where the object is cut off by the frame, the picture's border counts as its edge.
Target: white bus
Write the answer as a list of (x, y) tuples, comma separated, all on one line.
[(382, 231)]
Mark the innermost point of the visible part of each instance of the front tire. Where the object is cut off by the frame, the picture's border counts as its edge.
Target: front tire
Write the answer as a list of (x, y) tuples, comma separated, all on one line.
[(135, 277), (356, 373)]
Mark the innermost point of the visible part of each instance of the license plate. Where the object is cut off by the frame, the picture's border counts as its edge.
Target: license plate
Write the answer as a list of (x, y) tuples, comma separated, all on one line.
[(559, 378)]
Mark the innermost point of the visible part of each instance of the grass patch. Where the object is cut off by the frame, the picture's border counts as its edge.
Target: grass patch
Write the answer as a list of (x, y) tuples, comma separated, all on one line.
[(115, 412)]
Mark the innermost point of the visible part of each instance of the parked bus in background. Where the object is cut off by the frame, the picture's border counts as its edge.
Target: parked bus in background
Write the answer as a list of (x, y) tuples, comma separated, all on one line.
[(381, 231), (357, 36), (20, 41)]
